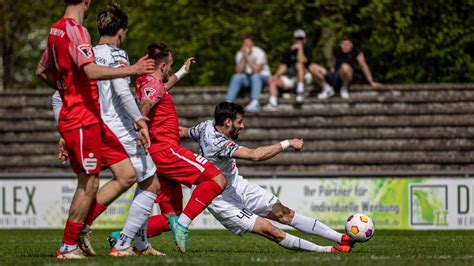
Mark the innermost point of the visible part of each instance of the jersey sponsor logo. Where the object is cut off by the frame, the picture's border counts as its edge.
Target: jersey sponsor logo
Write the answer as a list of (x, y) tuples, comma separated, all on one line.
[(149, 92), (57, 32), (90, 163), (86, 50)]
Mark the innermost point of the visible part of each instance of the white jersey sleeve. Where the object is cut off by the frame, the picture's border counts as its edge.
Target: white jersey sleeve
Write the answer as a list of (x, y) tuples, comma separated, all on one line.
[(194, 132), (216, 147), (57, 103)]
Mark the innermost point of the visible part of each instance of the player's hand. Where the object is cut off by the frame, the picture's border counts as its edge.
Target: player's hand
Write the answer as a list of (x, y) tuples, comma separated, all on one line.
[(144, 65), (143, 134), (296, 144), (375, 85), (187, 64), (62, 151)]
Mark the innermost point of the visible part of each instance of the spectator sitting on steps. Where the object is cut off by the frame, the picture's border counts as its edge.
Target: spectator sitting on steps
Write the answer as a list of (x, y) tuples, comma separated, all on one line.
[(346, 56), (292, 72), (251, 70)]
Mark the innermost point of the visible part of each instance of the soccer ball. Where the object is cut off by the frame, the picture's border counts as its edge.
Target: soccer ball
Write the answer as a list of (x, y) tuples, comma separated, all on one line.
[(360, 227)]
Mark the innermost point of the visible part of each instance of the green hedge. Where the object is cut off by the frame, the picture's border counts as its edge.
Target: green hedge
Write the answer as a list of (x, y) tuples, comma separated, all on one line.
[(403, 41)]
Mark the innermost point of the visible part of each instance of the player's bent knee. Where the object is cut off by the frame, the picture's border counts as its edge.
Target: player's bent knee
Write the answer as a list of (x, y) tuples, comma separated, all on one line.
[(220, 180)]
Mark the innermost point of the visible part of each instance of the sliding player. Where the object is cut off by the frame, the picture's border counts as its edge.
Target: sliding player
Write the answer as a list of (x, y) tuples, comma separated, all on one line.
[(243, 206), (68, 65)]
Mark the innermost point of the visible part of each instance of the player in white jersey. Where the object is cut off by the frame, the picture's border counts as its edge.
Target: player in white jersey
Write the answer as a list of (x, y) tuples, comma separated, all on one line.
[(243, 206), (119, 111)]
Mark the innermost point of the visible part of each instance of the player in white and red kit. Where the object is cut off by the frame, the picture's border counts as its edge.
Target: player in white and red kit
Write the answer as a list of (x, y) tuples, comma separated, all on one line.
[(175, 164), (68, 66)]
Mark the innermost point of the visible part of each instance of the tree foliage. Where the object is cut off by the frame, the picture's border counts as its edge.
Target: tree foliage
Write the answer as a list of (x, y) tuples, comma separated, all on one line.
[(403, 41)]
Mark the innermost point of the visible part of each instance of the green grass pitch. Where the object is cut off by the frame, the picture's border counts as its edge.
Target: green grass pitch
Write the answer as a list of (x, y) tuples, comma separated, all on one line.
[(218, 247)]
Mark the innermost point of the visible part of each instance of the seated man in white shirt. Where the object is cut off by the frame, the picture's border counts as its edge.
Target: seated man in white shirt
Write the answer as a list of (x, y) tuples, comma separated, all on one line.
[(251, 70)]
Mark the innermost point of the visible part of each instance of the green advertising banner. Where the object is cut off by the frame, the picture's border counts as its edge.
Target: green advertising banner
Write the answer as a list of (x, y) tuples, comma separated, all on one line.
[(392, 203)]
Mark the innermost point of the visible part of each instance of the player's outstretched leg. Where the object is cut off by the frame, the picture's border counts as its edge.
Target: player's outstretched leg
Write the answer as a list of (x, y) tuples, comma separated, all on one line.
[(266, 229), (308, 225), (201, 197), (138, 213)]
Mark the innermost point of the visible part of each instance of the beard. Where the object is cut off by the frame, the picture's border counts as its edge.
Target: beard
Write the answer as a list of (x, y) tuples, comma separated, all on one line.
[(234, 134)]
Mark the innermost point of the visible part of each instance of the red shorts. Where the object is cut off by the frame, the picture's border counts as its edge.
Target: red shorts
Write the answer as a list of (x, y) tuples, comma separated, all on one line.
[(176, 166), (86, 146)]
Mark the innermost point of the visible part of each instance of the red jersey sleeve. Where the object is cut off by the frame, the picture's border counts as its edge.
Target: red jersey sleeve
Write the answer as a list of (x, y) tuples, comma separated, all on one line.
[(44, 60), (151, 90), (80, 47)]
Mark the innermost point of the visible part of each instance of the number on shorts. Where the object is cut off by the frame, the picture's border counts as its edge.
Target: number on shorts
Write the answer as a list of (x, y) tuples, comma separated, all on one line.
[(245, 213), (200, 159)]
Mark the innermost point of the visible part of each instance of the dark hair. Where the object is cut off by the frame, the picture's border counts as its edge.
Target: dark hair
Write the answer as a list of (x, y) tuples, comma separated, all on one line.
[(111, 20), (247, 36), (158, 52), (72, 2), (346, 37), (226, 110)]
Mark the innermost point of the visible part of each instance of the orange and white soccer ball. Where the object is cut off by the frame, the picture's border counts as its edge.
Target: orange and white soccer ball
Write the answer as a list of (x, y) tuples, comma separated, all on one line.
[(360, 227)]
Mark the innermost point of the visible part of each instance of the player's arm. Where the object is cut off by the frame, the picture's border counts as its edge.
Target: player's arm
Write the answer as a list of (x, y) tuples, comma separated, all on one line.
[(267, 152), (180, 73), (122, 89), (366, 70), (143, 66), (183, 133), (42, 70), (145, 107), (43, 73), (57, 105)]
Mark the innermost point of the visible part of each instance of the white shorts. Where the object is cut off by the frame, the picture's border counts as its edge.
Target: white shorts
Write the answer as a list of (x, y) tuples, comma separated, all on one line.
[(240, 203), (143, 164), (290, 82), (141, 161)]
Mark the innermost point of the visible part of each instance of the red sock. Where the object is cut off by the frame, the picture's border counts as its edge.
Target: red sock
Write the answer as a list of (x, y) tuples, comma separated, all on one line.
[(157, 224), (95, 210), (201, 197), (71, 232)]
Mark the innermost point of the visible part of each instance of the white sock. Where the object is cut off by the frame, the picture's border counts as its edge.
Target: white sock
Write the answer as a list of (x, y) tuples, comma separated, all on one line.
[(314, 227), (137, 215), (86, 229), (300, 88), (66, 248), (184, 220), (273, 100), (295, 243), (141, 241)]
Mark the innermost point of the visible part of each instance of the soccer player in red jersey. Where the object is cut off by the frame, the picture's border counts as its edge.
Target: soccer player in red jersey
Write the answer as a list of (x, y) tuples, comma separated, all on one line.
[(68, 65), (175, 164)]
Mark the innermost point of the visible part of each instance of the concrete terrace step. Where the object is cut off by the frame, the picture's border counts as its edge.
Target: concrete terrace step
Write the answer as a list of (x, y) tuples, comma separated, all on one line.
[(389, 145), (258, 135), (213, 95), (287, 111), (316, 122)]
